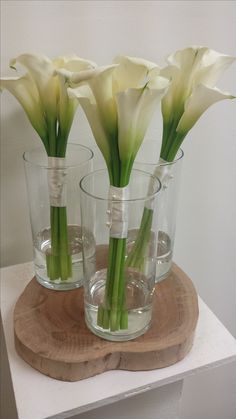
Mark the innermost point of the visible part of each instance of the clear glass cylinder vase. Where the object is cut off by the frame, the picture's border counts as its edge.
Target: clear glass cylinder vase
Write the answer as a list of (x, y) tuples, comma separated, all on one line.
[(118, 297), (169, 174), (52, 186)]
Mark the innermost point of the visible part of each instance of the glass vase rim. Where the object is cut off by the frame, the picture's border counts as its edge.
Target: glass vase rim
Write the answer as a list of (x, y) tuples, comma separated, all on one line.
[(163, 162), (67, 166), (145, 198)]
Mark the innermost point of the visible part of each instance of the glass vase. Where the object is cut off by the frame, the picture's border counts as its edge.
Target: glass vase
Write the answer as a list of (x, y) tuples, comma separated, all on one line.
[(169, 174), (118, 298), (52, 186)]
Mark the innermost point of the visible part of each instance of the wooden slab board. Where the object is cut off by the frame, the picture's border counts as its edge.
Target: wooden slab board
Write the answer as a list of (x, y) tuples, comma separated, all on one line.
[(51, 335)]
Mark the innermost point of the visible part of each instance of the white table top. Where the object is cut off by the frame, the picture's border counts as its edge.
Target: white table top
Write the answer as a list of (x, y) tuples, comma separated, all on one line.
[(40, 397)]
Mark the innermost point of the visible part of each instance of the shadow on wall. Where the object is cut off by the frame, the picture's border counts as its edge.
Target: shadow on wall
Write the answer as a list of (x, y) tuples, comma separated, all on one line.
[(15, 222)]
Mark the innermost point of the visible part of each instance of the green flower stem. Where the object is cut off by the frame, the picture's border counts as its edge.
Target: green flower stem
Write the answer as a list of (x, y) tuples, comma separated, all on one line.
[(52, 129), (52, 259), (171, 137), (113, 314), (168, 139), (65, 257), (137, 255), (117, 297), (174, 147), (59, 261)]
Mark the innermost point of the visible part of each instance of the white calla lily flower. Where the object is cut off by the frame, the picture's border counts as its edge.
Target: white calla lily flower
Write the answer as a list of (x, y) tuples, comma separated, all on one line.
[(100, 82), (67, 106), (135, 108), (87, 101), (41, 70), (26, 92), (131, 72), (95, 97), (198, 103), (194, 73)]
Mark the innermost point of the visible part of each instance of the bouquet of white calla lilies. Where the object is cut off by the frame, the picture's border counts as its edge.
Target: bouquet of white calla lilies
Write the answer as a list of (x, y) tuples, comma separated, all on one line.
[(194, 72), (43, 95), (119, 101)]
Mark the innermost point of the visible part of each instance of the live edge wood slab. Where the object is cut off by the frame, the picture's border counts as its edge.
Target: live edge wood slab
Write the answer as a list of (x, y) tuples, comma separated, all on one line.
[(51, 335)]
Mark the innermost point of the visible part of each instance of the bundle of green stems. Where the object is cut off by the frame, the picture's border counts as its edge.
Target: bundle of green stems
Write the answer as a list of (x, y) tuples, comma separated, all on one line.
[(113, 313), (59, 260)]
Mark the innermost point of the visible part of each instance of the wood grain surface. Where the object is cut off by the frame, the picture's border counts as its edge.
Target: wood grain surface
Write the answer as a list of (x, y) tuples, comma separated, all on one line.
[(51, 335)]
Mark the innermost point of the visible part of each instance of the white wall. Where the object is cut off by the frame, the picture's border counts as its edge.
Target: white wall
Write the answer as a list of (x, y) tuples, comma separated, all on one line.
[(206, 227)]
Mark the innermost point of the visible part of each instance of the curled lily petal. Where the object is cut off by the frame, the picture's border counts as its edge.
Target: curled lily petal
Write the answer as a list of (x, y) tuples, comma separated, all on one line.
[(102, 88), (171, 99), (87, 76), (66, 108), (134, 61), (39, 66), (188, 59), (131, 72), (63, 68), (200, 65), (211, 74), (100, 81), (201, 99), (193, 66), (26, 92), (72, 63), (41, 70), (135, 108), (87, 101)]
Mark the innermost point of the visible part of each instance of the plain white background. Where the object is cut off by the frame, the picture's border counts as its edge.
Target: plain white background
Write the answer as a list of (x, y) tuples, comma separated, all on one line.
[(206, 226)]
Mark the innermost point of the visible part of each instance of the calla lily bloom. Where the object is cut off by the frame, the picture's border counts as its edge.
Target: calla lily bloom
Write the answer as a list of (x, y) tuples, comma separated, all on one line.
[(194, 73), (25, 91), (119, 101), (43, 96)]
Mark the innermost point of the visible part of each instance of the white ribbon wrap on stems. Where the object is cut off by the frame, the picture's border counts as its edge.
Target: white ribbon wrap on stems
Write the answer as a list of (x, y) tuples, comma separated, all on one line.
[(118, 211), (57, 181), (164, 172)]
